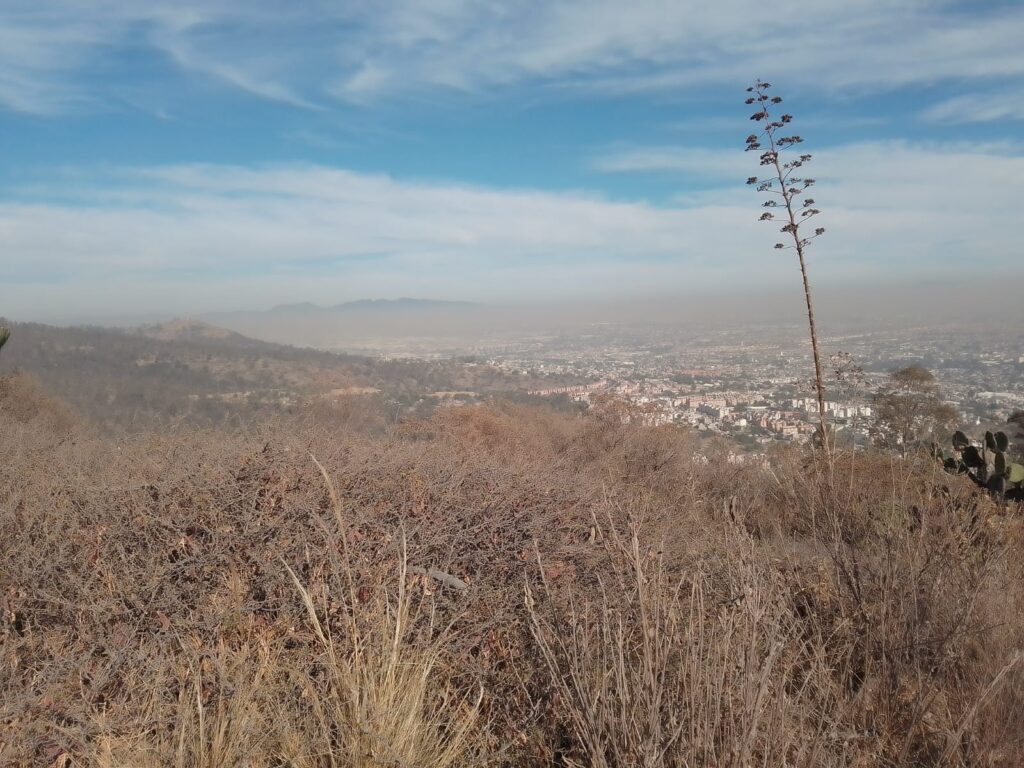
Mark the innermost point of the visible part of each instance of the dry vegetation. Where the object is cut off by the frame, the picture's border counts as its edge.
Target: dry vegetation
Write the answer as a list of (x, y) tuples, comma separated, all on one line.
[(500, 586)]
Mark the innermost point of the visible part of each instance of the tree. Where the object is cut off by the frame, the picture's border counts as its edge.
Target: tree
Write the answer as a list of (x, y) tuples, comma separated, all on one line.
[(785, 189), (910, 411), (1017, 419)]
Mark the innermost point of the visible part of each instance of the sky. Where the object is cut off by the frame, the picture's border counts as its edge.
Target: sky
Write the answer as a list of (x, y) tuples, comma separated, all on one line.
[(225, 154)]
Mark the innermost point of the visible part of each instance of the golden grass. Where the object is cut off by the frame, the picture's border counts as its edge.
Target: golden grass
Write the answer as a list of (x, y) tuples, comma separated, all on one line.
[(387, 701)]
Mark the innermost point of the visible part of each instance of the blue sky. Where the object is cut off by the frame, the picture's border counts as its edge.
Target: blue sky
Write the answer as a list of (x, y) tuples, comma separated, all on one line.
[(226, 154)]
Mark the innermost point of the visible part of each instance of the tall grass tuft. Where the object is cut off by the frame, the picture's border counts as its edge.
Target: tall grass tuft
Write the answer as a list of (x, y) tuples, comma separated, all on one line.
[(385, 701), (668, 671)]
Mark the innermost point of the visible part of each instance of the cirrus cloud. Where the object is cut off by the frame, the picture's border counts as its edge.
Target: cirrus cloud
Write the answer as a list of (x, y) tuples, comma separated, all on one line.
[(55, 55)]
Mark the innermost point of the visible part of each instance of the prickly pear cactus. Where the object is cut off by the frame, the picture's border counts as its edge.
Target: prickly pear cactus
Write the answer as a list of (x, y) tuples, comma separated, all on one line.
[(960, 441), (1015, 475), (986, 464)]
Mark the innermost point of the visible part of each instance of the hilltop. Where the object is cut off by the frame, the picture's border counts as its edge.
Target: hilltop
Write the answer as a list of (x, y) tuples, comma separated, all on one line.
[(187, 329), (359, 324)]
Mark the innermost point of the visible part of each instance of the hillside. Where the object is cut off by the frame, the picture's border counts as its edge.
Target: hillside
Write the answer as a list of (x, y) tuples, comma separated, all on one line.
[(177, 370), (368, 323), (198, 373), (493, 586)]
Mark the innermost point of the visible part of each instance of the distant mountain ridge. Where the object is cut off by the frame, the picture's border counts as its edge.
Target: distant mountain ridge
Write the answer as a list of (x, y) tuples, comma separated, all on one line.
[(349, 324), (375, 305)]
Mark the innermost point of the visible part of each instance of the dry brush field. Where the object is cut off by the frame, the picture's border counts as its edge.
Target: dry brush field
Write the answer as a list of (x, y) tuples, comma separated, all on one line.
[(492, 586)]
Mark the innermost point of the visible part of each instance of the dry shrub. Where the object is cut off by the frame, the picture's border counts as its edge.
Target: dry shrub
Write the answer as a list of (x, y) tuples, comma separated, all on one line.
[(377, 694), (864, 612), (706, 669), (224, 718), (26, 406), (918, 605), (359, 414)]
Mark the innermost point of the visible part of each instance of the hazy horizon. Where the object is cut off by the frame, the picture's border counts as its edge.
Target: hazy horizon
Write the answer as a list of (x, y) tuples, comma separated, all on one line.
[(974, 305), (773, 301)]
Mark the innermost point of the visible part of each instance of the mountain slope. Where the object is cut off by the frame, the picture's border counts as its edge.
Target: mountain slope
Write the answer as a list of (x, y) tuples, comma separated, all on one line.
[(170, 371), (193, 371)]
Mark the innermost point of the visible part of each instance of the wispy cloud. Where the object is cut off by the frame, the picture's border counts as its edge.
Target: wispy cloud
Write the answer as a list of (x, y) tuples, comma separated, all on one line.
[(188, 234), (652, 44), (979, 107), (898, 174), (198, 217), (57, 55), (694, 162), (304, 55)]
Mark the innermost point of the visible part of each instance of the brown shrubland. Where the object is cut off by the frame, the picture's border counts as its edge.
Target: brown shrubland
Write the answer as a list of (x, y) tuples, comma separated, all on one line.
[(493, 586)]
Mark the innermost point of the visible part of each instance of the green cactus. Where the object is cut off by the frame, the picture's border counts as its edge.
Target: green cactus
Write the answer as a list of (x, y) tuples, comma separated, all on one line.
[(5, 334), (960, 441), (996, 484), (972, 457), (999, 463), (1015, 475), (986, 464), (1002, 442), (954, 466)]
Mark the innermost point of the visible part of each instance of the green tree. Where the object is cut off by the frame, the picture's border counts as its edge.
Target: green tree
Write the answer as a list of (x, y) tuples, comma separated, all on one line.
[(1017, 419)]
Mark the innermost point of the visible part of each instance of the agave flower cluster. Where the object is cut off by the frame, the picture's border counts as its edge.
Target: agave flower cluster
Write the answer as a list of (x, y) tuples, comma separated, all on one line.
[(785, 186)]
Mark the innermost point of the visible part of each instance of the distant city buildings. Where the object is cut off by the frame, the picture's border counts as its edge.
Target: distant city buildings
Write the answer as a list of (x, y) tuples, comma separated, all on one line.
[(754, 385)]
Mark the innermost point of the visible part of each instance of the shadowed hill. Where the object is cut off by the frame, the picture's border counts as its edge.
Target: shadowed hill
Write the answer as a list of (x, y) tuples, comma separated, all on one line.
[(191, 371)]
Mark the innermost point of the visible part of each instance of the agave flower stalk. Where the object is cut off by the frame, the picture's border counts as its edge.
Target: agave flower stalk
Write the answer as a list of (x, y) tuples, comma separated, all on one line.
[(786, 189)]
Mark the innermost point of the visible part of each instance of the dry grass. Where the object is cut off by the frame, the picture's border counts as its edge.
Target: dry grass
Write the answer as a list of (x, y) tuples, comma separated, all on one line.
[(663, 670), (387, 701), (215, 599)]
